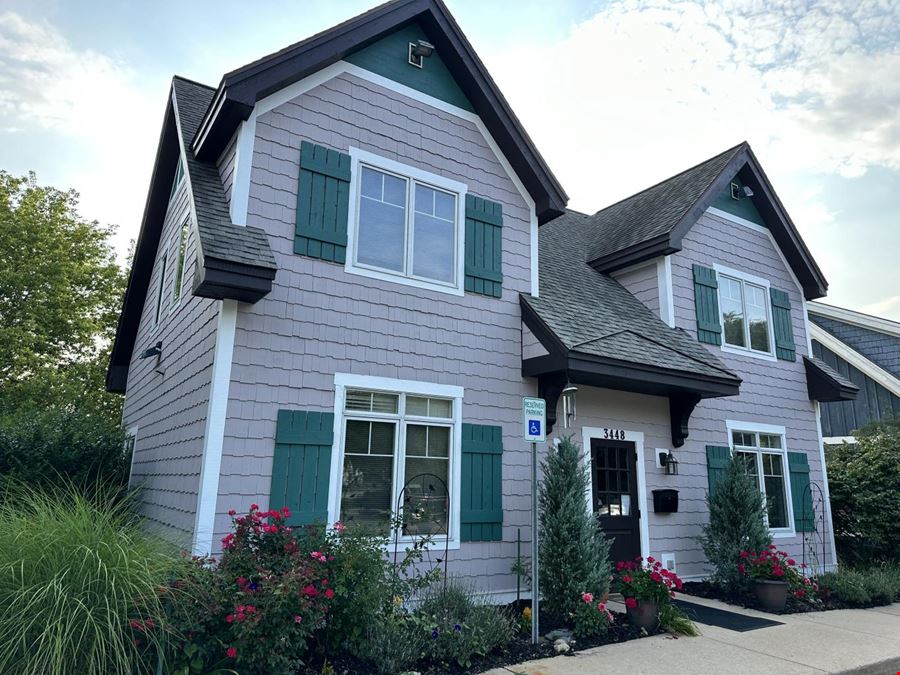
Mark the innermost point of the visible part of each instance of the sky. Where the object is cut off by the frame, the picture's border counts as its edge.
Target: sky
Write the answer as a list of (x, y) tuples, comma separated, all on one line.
[(617, 95)]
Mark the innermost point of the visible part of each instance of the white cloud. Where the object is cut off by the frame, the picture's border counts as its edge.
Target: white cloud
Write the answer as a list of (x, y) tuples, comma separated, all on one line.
[(94, 102)]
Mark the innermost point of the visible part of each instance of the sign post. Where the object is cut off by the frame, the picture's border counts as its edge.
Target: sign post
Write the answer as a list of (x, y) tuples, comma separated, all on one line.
[(534, 430)]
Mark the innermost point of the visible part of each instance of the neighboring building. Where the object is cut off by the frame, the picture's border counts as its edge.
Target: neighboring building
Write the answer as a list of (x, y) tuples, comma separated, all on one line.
[(866, 350), (340, 295)]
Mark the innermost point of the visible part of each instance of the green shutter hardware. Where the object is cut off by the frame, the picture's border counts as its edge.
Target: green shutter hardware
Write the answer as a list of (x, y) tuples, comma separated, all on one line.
[(484, 246), (717, 458), (481, 510), (785, 348), (801, 496), (323, 202), (706, 299), (302, 467)]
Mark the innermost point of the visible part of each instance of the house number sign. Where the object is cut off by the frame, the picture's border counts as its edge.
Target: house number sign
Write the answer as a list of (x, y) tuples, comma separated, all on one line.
[(613, 434)]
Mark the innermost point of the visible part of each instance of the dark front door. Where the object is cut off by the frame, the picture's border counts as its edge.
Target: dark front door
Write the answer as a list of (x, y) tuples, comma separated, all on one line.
[(614, 474)]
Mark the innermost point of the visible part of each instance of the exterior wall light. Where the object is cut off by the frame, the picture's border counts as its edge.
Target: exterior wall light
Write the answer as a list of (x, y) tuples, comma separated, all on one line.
[(669, 463), (419, 51)]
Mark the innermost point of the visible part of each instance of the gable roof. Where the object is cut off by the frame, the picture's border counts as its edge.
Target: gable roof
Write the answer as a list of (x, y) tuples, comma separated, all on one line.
[(588, 314), (824, 383), (653, 222), (233, 261), (877, 339), (240, 89)]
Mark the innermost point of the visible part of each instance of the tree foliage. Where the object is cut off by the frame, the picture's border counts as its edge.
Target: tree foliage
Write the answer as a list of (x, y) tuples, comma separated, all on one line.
[(736, 523), (574, 552), (864, 482)]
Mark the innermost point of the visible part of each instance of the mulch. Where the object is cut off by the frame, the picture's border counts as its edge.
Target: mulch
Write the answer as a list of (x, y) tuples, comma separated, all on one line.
[(825, 602)]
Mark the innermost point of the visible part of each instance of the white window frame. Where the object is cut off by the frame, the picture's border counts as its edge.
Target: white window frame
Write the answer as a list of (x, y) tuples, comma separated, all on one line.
[(178, 284), (358, 158), (732, 426), (345, 381), (745, 278), (161, 289)]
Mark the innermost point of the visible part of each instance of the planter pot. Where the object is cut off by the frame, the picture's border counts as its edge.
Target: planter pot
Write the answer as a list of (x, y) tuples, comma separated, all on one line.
[(645, 615), (772, 595)]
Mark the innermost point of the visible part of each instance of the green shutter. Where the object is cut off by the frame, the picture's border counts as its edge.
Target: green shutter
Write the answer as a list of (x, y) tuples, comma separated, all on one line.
[(706, 300), (801, 496), (302, 466), (481, 510), (717, 458), (323, 200), (784, 329), (484, 242)]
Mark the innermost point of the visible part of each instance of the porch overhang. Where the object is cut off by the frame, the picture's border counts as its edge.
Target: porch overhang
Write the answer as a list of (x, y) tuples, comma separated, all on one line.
[(825, 384)]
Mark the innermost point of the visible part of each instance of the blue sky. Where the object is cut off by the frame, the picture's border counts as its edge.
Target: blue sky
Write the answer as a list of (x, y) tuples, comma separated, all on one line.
[(617, 95)]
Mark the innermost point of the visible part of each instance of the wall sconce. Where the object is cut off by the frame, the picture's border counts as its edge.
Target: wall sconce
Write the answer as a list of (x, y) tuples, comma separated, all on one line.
[(418, 51), (568, 403), (669, 463), (155, 350)]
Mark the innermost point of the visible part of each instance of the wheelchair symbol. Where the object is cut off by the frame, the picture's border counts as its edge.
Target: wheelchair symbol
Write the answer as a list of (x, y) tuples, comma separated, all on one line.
[(534, 427)]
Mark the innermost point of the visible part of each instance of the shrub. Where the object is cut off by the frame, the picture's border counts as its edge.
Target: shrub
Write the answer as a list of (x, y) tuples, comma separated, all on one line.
[(770, 564), (591, 618), (394, 642), (459, 626), (875, 584), (736, 523), (79, 584), (864, 483), (574, 553)]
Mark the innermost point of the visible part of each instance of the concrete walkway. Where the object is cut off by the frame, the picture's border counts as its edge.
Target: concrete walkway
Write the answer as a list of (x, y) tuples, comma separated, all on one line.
[(840, 641)]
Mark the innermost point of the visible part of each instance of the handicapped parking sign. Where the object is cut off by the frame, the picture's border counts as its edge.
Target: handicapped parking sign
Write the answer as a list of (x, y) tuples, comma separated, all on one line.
[(534, 419)]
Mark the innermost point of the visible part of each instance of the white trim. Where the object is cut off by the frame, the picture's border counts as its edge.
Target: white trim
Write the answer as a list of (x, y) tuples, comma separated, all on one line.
[(131, 434), (664, 288), (776, 430), (342, 381), (857, 360), (737, 220), (636, 437), (756, 281), (533, 243), (854, 318), (214, 433), (826, 492), (240, 177), (809, 350), (837, 440)]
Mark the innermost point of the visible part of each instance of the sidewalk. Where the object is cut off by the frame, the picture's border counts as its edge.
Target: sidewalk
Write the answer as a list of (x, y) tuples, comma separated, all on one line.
[(841, 641)]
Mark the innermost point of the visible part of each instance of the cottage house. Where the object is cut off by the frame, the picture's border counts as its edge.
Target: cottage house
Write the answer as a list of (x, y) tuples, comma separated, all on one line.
[(354, 263)]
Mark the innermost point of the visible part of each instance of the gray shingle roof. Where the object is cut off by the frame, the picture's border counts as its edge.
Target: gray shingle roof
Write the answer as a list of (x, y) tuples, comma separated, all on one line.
[(832, 373), (219, 237), (655, 211), (880, 348), (594, 314)]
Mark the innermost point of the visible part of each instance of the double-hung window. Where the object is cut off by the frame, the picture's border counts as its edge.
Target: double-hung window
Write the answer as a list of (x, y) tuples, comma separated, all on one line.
[(407, 224), (745, 309), (397, 462), (765, 461)]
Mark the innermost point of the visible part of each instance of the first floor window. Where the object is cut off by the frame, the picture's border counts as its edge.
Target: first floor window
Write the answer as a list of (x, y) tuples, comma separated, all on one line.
[(396, 463), (745, 314), (763, 456), (406, 227)]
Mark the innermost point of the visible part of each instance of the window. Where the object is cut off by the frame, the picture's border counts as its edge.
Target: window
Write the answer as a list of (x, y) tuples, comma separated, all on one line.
[(744, 305), (398, 456), (764, 456), (179, 267), (160, 284), (179, 175), (407, 224)]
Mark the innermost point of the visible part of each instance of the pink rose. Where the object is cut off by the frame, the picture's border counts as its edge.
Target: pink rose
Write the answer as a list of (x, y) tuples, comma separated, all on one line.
[(587, 597)]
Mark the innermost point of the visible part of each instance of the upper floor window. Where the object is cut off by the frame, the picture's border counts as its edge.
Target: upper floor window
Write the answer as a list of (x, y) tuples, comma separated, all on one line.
[(745, 312), (179, 266), (179, 176), (160, 285), (407, 224), (764, 457)]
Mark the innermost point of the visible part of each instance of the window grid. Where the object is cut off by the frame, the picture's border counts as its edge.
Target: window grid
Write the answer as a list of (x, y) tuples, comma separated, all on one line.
[(745, 315), (766, 462)]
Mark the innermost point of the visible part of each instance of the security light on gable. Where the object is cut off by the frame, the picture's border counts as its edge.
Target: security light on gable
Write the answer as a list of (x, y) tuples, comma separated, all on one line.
[(418, 51)]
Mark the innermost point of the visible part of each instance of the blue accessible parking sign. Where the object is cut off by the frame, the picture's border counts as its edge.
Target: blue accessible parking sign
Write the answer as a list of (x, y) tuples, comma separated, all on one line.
[(534, 419)]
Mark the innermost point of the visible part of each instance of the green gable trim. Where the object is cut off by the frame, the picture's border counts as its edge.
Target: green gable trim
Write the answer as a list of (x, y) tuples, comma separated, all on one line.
[(481, 509), (389, 57), (484, 247), (302, 465), (323, 202), (742, 208)]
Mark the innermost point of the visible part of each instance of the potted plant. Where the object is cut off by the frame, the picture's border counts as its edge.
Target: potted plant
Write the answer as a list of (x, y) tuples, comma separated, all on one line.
[(774, 574), (646, 587)]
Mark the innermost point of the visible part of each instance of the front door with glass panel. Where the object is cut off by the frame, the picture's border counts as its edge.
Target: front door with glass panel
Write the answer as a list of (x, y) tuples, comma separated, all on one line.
[(614, 478)]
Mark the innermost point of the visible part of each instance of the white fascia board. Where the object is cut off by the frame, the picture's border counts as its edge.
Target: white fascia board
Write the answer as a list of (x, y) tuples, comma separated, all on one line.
[(859, 319), (854, 358)]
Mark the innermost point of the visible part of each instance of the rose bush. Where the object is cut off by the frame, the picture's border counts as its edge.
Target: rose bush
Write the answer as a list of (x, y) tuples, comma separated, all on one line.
[(591, 618)]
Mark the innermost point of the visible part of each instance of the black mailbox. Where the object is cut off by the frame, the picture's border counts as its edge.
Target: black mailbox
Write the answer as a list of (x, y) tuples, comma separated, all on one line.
[(665, 501)]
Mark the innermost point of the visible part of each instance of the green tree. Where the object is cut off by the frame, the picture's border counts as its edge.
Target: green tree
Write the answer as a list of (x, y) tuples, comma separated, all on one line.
[(60, 295), (864, 482), (736, 523), (574, 552)]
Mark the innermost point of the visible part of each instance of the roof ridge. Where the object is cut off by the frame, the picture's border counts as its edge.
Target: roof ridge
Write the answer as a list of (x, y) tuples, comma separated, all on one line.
[(673, 176), (182, 78)]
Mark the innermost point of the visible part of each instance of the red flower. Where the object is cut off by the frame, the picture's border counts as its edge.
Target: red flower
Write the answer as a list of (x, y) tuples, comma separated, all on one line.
[(678, 584), (650, 559), (742, 569), (329, 593), (626, 579), (655, 576), (791, 562), (230, 618), (620, 566), (232, 512), (630, 602), (297, 618), (254, 507), (745, 554), (310, 591), (231, 652), (777, 571)]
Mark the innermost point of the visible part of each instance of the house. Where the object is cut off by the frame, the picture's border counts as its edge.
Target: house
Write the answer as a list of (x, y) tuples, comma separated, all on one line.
[(866, 350), (354, 263)]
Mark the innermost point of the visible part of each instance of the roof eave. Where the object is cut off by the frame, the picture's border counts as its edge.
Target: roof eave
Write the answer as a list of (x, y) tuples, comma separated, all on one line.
[(823, 387)]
